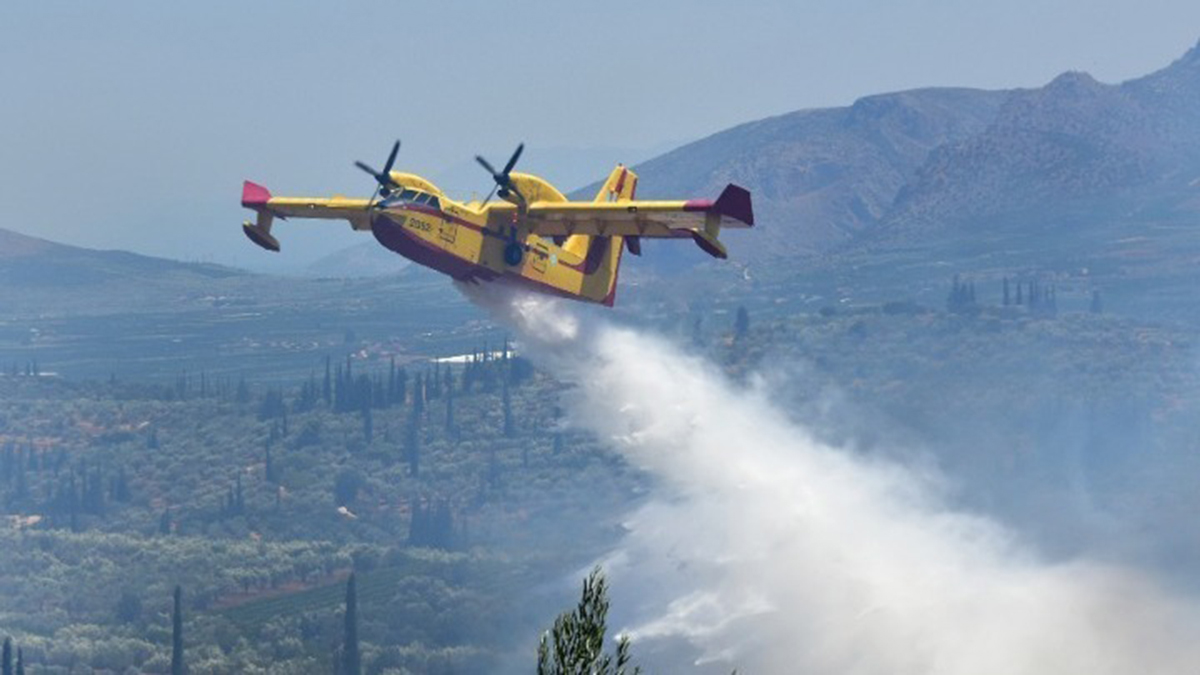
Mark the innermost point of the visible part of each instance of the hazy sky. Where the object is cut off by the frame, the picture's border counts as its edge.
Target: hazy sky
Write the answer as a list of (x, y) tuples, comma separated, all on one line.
[(132, 124)]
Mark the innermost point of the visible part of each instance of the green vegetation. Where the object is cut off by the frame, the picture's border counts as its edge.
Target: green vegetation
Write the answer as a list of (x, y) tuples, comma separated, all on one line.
[(448, 492), (262, 500), (576, 642)]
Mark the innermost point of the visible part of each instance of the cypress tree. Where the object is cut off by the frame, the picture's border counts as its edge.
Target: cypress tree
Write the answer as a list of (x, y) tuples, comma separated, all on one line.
[(8, 656), (351, 662), (741, 325), (391, 383), (242, 393), (368, 424), (177, 633), (270, 466), (401, 386), (412, 443), (419, 395), (509, 427), (20, 661), (327, 386)]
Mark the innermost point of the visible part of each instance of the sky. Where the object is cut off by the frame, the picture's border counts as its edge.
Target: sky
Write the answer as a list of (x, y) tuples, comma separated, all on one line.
[(131, 124)]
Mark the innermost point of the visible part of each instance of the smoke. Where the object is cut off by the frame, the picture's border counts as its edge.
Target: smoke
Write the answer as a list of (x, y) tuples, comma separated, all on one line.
[(766, 550)]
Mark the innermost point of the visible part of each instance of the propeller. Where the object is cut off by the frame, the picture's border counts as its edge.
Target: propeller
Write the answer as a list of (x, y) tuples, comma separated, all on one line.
[(503, 180), (384, 178)]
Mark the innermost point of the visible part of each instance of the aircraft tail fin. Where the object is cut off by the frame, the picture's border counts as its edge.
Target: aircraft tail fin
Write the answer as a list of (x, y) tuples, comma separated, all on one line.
[(621, 185), (602, 255)]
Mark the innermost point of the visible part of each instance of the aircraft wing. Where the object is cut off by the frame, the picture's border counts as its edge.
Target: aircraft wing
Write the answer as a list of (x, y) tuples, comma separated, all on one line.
[(634, 218), (699, 219), (269, 207)]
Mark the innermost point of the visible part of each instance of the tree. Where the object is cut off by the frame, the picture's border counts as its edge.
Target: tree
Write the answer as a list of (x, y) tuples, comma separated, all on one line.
[(576, 642), (510, 428), (368, 424), (8, 656), (129, 607), (412, 442), (20, 661), (351, 660), (177, 633), (418, 397), (741, 325), (961, 299), (346, 486), (327, 385), (269, 467)]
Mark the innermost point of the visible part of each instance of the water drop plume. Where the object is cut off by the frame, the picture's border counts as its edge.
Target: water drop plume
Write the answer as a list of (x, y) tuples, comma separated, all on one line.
[(763, 548)]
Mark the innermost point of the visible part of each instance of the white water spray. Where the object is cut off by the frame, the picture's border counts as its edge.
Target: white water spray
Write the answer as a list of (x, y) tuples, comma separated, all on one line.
[(769, 551)]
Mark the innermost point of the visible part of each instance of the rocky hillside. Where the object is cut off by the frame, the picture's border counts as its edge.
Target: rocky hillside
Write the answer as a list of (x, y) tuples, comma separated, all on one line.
[(1074, 144), (27, 261), (819, 177), (904, 169)]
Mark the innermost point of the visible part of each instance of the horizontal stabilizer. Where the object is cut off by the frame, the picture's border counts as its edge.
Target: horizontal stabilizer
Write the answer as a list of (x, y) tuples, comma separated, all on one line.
[(709, 244), (734, 203)]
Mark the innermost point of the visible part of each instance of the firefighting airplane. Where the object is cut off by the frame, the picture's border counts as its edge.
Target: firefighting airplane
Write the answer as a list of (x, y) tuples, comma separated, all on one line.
[(535, 237)]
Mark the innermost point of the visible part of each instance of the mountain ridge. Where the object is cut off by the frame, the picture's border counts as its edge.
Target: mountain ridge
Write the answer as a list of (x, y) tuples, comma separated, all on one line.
[(26, 260)]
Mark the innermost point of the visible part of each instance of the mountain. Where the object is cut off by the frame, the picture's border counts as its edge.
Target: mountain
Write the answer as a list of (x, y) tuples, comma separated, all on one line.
[(819, 177), (1075, 142), (27, 261), (40, 275), (368, 259), (907, 168)]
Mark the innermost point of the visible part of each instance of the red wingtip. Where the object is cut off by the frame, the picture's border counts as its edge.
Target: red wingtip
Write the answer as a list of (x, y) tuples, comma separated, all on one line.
[(254, 196)]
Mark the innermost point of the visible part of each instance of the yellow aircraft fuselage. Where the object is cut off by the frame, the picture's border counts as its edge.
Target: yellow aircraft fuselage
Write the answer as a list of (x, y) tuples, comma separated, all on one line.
[(484, 242)]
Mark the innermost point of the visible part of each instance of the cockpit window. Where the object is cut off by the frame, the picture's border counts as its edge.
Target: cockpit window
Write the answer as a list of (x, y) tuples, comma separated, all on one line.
[(423, 198), (433, 201), (408, 195)]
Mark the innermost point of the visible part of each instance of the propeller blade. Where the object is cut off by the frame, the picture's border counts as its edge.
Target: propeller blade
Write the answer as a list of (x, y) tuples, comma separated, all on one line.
[(383, 178), (391, 161), (489, 195), (490, 169), (513, 161)]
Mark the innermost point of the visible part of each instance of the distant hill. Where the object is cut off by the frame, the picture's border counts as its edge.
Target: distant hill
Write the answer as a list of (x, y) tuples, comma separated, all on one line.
[(905, 168), (1075, 142), (368, 259), (41, 276), (27, 261), (820, 177)]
